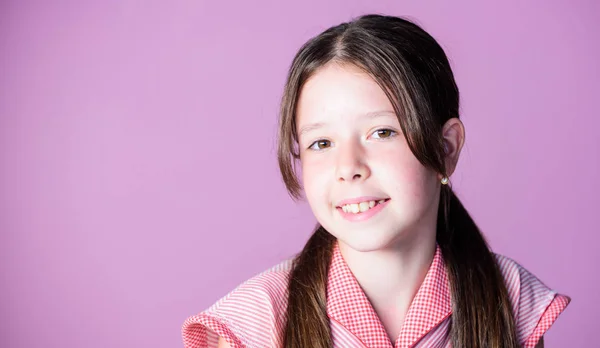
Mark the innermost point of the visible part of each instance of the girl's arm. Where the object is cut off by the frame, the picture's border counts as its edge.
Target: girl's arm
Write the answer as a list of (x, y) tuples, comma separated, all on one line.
[(223, 344)]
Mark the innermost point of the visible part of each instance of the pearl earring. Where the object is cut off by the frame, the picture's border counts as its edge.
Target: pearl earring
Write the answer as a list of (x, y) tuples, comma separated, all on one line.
[(445, 180)]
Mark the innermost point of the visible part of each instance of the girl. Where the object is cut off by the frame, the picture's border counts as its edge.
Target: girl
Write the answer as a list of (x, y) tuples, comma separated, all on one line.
[(371, 114)]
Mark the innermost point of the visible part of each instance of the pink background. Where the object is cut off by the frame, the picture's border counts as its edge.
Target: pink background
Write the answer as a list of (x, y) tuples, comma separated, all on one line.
[(138, 178)]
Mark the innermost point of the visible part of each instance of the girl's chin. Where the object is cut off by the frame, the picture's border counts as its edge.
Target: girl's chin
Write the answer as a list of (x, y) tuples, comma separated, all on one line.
[(365, 241)]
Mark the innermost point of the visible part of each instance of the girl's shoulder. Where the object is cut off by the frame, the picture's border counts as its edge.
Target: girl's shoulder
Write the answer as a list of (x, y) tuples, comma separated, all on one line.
[(251, 315), (535, 305)]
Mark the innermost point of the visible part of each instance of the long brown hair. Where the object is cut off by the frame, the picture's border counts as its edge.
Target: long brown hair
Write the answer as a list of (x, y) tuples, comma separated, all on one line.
[(414, 72)]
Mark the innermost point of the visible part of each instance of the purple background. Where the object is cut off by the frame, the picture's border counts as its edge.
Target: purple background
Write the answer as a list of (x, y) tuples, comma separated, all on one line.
[(137, 152)]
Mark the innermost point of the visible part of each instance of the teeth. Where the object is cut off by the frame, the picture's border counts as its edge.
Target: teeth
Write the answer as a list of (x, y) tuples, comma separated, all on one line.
[(364, 206), (361, 207)]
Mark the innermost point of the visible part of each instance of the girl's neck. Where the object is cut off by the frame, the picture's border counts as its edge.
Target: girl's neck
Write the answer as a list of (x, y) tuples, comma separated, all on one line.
[(391, 277)]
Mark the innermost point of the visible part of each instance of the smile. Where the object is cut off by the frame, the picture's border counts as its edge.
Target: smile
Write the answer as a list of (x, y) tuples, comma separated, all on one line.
[(363, 210), (361, 207)]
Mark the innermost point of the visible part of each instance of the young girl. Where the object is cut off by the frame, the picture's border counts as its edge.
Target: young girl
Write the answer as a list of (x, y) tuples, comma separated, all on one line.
[(371, 114)]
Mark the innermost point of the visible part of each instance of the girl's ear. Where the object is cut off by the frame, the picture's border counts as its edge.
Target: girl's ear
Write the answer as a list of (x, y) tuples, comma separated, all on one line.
[(454, 139)]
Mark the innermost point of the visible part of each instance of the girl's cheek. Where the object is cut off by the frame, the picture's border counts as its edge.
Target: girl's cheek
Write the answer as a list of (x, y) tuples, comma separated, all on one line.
[(314, 162), (316, 171)]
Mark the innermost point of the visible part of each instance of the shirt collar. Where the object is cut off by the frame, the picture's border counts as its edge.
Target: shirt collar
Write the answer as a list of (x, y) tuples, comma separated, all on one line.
[(349, 306)]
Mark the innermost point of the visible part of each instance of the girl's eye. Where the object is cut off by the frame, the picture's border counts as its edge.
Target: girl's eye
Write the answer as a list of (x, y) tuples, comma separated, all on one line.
[(320, 145), (383, 133)]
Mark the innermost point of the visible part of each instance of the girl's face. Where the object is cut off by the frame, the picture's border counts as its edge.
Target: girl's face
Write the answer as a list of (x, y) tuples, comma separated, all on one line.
[(362, 182)]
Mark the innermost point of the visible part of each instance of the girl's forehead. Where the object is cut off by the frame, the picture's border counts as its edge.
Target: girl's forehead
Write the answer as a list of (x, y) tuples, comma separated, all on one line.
[(336, 90)]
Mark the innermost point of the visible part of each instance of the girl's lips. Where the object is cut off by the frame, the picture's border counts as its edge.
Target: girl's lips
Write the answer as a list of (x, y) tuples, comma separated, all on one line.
[(364, 215), (358, 200)]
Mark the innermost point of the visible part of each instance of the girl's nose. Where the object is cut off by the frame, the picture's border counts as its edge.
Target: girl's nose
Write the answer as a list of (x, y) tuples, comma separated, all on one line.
[(351, 165)]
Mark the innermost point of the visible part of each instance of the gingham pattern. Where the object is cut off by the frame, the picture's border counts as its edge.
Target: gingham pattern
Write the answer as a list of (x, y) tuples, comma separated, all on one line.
[(548, 318), (349, 306), (253, 314), (250, 316), (535, 306)]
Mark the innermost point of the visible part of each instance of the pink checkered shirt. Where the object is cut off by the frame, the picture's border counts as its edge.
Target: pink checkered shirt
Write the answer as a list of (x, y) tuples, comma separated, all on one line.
[(253, 314)]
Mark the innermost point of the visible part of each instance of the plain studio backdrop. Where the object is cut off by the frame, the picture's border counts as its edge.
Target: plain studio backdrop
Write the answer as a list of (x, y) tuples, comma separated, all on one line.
[(138, 179)]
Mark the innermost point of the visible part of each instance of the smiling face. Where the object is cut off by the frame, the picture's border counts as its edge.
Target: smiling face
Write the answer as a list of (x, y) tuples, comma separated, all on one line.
[(361, 180)]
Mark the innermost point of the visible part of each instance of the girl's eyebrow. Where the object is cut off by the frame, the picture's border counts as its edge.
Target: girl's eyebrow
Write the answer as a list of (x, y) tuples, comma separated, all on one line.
[(381, 113), (370, 115), (310, 127)]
